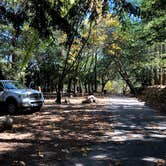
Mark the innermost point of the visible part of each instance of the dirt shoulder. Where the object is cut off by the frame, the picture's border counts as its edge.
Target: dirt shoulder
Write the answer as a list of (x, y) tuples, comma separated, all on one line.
[(155, 96)]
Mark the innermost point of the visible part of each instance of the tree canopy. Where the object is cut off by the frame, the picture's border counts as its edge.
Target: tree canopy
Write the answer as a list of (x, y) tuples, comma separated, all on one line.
[(83, 42)]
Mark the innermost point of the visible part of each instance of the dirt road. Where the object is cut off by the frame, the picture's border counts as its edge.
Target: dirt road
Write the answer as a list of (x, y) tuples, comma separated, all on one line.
[(116, 131)]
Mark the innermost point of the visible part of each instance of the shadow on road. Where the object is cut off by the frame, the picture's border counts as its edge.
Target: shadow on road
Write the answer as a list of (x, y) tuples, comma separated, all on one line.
[(123, 132)]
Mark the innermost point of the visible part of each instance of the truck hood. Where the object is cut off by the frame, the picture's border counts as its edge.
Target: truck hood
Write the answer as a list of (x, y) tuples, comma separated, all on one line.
[(23, 91)]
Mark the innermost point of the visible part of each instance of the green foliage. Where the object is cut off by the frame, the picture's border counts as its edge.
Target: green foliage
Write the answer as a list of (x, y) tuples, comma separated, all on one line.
[(108, 87), (154, 19), (80, 40)]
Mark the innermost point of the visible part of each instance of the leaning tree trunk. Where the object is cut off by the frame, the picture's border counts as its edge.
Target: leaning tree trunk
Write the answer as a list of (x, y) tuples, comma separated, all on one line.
[(128, 82), (102, 84), (125, 76)]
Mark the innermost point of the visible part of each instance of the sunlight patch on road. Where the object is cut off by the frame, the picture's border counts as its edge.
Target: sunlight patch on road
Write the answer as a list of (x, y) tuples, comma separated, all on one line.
[(18, 136), (127, 137), (119, 124), (126, 101), (6, 147), (99, 157), (135, 136), (156, 127), (157, 136), (79, 164), (119, 138), (123, 135), (159, 161)]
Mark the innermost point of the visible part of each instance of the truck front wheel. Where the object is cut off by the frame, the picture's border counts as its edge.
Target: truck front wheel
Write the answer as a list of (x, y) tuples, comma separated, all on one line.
[(11, 107)]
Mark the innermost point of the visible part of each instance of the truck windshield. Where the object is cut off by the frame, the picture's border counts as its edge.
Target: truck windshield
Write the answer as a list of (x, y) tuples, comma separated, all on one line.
[(14, 85)]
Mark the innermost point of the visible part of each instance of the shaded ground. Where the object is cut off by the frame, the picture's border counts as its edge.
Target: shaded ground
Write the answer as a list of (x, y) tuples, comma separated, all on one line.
[(116, 131)]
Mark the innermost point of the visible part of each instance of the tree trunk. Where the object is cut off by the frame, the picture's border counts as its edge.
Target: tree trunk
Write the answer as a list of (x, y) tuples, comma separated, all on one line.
[(85, 86), (103, 83), (161, 76), (125, 76), (75, 87), (92, 87), (95, 71), (156, 80), (150, 77), (164, 78), (102, 88), (69, 88), (128, 82), (80, 87), (89, 88), (58, 97)]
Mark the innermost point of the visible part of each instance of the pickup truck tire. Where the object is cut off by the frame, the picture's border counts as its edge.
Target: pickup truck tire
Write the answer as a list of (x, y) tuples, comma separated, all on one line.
[(11, 106)]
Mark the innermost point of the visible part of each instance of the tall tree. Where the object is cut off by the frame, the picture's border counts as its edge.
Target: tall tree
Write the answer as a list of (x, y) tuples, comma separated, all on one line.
[(154, 19)]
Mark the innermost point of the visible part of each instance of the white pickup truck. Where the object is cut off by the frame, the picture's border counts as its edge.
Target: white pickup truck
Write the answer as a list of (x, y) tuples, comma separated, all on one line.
[(16, 96)]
